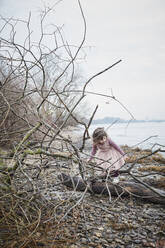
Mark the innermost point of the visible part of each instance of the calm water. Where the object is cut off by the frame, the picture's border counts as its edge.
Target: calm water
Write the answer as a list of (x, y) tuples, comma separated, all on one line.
[(143, 135)]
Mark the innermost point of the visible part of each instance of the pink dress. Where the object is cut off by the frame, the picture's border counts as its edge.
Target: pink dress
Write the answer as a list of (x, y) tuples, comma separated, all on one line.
[(108, 156)]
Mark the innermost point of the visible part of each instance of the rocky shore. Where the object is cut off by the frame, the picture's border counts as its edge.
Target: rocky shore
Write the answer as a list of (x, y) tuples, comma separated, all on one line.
[(97, 221), (120, 222), (124, 223), (75, 219)]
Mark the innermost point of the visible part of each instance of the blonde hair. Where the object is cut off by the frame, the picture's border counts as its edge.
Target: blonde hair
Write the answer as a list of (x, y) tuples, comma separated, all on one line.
[(98, 134)]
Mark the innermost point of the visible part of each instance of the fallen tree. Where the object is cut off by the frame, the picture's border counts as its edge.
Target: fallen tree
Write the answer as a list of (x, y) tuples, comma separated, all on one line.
[(121, 189)]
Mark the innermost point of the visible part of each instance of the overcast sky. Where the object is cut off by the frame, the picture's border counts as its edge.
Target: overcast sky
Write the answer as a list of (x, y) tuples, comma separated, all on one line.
[(131, 30)]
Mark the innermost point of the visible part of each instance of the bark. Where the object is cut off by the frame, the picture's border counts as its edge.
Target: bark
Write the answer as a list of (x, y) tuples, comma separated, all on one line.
[(122, 188)]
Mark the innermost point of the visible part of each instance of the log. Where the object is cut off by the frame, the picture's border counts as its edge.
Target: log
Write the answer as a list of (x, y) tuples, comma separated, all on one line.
[(122, 188)]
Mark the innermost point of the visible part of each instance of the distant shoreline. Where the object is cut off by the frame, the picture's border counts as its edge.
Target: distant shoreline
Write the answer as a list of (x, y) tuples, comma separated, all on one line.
[(108, 120)]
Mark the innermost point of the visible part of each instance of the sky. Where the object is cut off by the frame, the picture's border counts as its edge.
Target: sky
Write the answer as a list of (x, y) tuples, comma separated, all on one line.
[(132, 31)]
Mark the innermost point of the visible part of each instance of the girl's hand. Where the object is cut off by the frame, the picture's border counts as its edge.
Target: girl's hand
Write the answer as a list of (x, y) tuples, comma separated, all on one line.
[(126, 158), (90, 162), (87, 161)]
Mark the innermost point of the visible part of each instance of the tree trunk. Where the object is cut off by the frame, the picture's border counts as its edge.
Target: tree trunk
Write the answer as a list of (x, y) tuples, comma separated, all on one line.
[(122, 188)]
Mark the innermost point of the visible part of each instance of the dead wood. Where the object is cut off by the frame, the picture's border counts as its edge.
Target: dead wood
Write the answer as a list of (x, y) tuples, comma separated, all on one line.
[(121, 189)]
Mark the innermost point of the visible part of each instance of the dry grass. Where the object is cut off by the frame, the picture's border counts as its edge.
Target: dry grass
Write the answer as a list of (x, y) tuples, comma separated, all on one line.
[(154, 168), (31, 223), (142, 156)]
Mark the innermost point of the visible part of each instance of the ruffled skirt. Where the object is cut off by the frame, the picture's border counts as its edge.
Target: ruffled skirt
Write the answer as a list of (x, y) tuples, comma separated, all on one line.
[(108, 160)]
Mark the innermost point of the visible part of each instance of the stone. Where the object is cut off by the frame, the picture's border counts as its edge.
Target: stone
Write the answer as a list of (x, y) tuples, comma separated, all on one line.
[(98, 234)]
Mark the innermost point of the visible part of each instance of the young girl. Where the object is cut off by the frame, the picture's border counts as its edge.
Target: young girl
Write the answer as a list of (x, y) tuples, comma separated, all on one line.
[(108, 155)]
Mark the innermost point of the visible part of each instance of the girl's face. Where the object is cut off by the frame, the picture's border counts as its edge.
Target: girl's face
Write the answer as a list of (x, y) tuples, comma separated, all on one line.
[(101, 141)]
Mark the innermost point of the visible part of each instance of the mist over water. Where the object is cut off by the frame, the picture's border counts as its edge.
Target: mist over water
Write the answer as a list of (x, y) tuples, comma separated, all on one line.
[(143, 135)]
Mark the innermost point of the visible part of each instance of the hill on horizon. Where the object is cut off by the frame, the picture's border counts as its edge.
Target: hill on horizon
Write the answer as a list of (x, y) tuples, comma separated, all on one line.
[(107, 120)]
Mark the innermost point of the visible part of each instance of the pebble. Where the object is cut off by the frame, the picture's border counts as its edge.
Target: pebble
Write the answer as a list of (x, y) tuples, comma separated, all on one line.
[(98, 234)]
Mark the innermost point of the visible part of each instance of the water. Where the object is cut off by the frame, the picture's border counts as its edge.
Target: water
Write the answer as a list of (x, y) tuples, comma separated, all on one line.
[(144, 135)]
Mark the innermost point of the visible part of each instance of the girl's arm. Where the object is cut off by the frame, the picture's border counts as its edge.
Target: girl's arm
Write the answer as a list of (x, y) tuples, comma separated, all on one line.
[(93, 152), (116, 147)]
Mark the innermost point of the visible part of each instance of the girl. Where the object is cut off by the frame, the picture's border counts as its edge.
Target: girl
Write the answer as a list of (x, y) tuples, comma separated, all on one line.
[(109, 156)]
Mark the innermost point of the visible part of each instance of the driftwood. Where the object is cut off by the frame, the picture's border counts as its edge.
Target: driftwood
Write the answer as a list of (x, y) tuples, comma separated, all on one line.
[(121, 189)]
